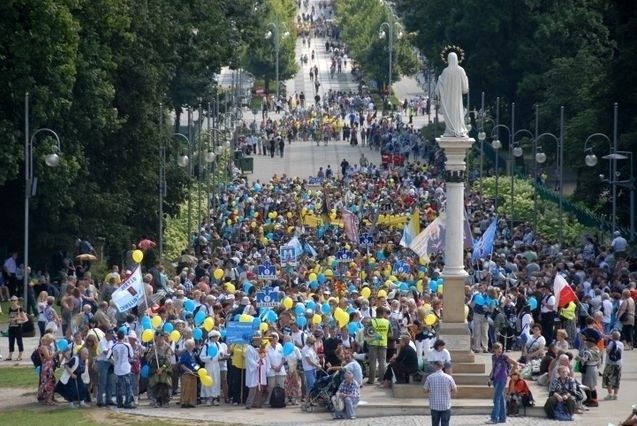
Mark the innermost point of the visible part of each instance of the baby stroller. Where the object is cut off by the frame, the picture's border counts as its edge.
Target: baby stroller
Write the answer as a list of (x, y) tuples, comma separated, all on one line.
[(322, 392)]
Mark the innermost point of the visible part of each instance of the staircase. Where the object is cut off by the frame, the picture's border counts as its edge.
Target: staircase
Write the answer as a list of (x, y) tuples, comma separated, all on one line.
[(469, 373)]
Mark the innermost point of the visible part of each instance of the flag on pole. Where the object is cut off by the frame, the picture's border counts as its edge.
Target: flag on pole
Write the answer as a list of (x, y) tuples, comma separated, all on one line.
[(350, 224), (432, 239), (411, 229), (130, 291), (563, 292), (484, 246), (468, 236)]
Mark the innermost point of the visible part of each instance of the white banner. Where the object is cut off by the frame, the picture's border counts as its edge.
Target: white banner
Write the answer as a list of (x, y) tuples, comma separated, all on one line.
[(130, 291)]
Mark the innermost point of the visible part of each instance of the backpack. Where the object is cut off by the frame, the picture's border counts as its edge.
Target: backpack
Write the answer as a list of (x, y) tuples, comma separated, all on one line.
[(560, 412), (395, 329), (35, 358), (615, 354), (277, 398)]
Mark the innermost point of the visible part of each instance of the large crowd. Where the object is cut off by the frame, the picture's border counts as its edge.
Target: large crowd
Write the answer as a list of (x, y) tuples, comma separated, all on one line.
[(357, 313), (345, 314)]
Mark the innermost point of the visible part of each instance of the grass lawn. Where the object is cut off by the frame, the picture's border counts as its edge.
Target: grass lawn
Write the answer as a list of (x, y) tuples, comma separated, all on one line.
[(19, 377)]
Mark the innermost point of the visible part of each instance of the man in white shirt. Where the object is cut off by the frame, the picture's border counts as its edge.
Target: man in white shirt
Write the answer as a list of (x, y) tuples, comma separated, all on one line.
[(106, 381), (121, 353)]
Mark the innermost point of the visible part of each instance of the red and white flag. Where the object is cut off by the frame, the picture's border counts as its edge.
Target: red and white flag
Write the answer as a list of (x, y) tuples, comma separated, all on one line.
[(563, 292)]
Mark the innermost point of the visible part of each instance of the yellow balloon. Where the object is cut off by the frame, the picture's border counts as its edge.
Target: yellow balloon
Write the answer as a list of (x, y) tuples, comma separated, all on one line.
[(229, 221), (287, 303), (317, 319), (382, 293), (147, 335), (202, 372), (208, 323), (289, 214), (419, 285), (263, 327), (246, 318), (328, 273), (388, 283), (431, 319), (206, 381), (174, 335), (230, 288), (312, 276), (427, 307), (138, 256), (218, 274), (253, 225), (366, 292), (156, 321), (393, 278), (441, 288), (342, 322)]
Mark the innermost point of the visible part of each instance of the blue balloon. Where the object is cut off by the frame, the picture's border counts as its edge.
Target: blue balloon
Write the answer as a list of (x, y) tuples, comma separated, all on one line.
[(256, 322), (352, 288), (335, 264), (168, 327), (326, 308), (197, 334), (271, 316), (404, 287), (532, 303), (321, 278), (223, 333), (236, 317), (433, 286), (299, 310), (146, 323), (301, 321), (314, 284), (199, 318), (189, 305), (62, 344), (247, 287), (213, 350), (352, 327), (380, 255), (479, 300), (124, 330), (145, 371), (288, 348), (310, 305)]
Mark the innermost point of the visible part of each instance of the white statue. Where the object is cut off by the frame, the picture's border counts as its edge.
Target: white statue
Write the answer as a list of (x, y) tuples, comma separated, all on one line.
[(452, 84)]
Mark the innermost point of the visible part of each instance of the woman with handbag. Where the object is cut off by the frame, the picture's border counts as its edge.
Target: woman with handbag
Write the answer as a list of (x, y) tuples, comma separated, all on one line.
[(500, 363), (17, 317)]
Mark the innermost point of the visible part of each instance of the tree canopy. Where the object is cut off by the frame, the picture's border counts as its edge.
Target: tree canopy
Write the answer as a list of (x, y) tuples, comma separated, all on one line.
[(97, 72)]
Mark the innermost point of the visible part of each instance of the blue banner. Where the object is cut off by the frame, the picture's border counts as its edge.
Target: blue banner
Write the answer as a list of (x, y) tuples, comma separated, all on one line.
[(239, 333)]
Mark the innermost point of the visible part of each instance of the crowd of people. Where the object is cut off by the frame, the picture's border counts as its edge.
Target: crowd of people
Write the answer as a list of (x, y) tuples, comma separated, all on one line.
[(359, 314), (343, 307)]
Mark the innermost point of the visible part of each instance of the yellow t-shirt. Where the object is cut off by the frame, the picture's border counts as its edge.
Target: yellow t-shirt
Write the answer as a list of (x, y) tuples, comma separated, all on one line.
[(238, 360), (381, 326)]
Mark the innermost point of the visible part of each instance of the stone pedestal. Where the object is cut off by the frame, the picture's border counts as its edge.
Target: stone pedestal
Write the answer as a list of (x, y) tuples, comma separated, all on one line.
[(453, 329)]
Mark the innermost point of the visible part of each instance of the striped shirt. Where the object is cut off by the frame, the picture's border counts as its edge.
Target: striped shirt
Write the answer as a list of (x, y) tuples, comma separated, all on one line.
[(439, 385)]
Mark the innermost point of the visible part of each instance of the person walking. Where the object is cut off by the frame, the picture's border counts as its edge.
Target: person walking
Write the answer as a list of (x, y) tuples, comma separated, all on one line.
[(500, 363), (439, 386)]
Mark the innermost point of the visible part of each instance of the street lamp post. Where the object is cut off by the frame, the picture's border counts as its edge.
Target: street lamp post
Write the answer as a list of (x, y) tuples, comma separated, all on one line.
[(515, 151), (613, 156), (276, 27), (540, 158), (481, 137), (184, 161), (390, 39), (30, 183)]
